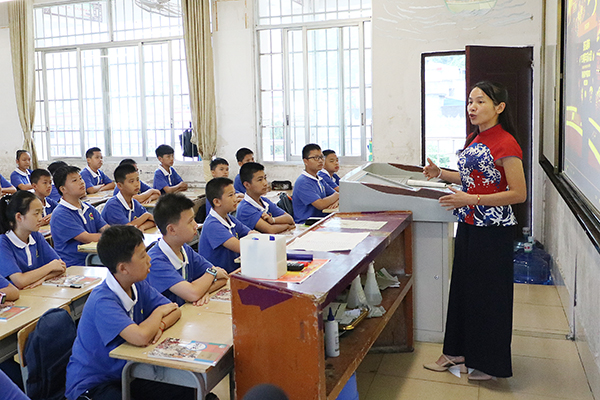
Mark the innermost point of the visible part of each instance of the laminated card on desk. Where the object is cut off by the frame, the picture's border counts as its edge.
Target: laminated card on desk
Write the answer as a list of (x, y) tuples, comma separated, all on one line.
[(9, 312), (190, 351), (223, 294), (328, 241), (355, 224)]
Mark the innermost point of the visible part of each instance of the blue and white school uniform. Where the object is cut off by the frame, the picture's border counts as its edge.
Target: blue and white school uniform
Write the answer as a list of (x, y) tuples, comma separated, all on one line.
[(143, 188), (307, 190), (54, 195), (108, 311), (49, 206), (116, 211), (163, 178), (10, 391), (249, 211), (332, 180), (4, 182), (238, 185), (19, 257), (168, 270), (92, 178), (69, 221), (18, 177), (3, 285), (217, 231)]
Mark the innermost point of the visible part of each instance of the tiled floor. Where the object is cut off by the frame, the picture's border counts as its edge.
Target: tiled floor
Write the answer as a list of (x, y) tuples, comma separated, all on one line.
[(546, 366)]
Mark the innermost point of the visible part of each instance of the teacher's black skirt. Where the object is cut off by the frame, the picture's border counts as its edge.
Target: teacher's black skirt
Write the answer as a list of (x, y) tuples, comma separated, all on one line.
[(480, 306)]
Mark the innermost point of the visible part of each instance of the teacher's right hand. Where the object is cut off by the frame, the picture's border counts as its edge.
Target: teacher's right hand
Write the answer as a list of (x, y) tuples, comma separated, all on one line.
[(431, 170)]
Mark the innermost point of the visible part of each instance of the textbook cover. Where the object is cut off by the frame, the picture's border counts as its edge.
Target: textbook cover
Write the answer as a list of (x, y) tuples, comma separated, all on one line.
[(190, 351), (9, 312), (223, 294), (71, 281)]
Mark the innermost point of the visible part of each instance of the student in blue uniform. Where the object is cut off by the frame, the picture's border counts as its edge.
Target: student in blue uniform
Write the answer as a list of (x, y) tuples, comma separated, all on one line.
[(123, 308), (20, 176), (123, 209), (95, 180), (10, 290), (166, 179), (330, 169), (255, 211), (243, 156), (73, 222), (10, 391), (311, 195), (6, 187), (27, 259), (221, 232), (178, 272), (41, 180), (146, 193), (52, 168)]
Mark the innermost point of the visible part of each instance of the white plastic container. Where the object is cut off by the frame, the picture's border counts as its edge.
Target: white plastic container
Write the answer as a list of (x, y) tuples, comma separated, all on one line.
[(263, 256), (332, 337), (372, 292)]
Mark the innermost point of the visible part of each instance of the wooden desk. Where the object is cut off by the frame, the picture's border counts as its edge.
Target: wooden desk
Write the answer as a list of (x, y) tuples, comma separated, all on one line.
[(98, 198), (289, 351), (9, 329), (190, 194), (76, 298), (193, 325), (91, 248)]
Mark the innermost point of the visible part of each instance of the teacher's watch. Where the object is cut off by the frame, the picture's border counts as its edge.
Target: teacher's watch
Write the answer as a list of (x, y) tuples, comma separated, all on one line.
[(213, 272)]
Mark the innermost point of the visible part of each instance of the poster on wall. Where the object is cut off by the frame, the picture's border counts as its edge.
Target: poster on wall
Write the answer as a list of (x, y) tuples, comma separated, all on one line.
[(581, 110)]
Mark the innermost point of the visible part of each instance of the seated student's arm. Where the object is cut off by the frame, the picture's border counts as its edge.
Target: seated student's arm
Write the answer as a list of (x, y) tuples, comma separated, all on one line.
[(180, 187), (38, 275), (147, 331), (147, 196), (268, 224), (25, 186), (93, 189), (45, 220), (11, 292), (232, 244), (108, 186), (143, 222), (285, 219), (194, 291), (86, 237), (9, 190), (325, 202)]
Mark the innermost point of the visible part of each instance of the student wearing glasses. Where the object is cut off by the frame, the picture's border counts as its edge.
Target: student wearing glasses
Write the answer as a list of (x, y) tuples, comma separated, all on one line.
[(311, 194)]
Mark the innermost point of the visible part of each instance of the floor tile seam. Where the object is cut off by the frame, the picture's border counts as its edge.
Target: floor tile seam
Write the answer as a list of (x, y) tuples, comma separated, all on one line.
[(468, 384)]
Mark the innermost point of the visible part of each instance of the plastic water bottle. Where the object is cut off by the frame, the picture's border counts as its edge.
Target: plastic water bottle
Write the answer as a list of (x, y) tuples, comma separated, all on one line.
[(520, 243), (530, 267), (332, 337)]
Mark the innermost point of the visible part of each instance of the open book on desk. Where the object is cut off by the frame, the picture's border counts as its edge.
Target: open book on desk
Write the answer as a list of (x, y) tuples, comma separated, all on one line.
[(9, 312), (190, 351), (71, 281)]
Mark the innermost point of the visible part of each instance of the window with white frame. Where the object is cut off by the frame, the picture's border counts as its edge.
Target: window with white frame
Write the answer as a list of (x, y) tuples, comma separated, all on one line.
[(314, 62), (112, 74)]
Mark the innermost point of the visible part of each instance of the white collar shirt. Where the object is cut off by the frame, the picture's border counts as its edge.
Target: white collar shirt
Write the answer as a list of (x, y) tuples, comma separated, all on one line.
[(128, 302), (22, 245), (177, 263), (80, 210), (316, 178), (229, 224), (95, 175)]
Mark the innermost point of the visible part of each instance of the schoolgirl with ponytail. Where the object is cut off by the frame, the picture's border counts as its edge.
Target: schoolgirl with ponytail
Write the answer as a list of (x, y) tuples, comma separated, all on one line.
[(27, 259)]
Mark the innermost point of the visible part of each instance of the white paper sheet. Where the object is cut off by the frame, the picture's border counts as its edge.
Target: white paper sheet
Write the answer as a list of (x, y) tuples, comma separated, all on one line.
[(328, 241), (355, 224)]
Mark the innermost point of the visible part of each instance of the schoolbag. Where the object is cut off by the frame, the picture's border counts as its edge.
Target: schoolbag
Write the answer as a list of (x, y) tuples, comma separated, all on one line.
[(47, 352), (285, 203), (185, 140)]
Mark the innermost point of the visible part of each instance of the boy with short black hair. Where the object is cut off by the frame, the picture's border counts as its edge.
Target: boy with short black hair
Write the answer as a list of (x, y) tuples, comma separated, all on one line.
[(52, 168), (178, 272), (243, 156), (41, 180), (219, 168), (20, 177), (311, 195), (221, 232), (74, 222), (123, 209), (123, 308), (95, 179), (330, 168), (255, 211), (146, 193), (166, 179)]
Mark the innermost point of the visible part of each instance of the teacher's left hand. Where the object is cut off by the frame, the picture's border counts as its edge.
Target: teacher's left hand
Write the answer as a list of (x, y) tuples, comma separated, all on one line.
[(456, 200)]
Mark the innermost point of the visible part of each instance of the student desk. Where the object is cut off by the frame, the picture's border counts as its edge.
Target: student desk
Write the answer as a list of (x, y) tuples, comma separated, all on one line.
[(98, 198), (151, 235), (190, 194), (194, 324), (279, 336), (9, 329), (76, 298)]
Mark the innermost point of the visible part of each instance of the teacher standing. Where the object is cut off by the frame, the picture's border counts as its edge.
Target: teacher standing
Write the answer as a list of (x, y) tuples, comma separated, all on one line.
[(490, 170)]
